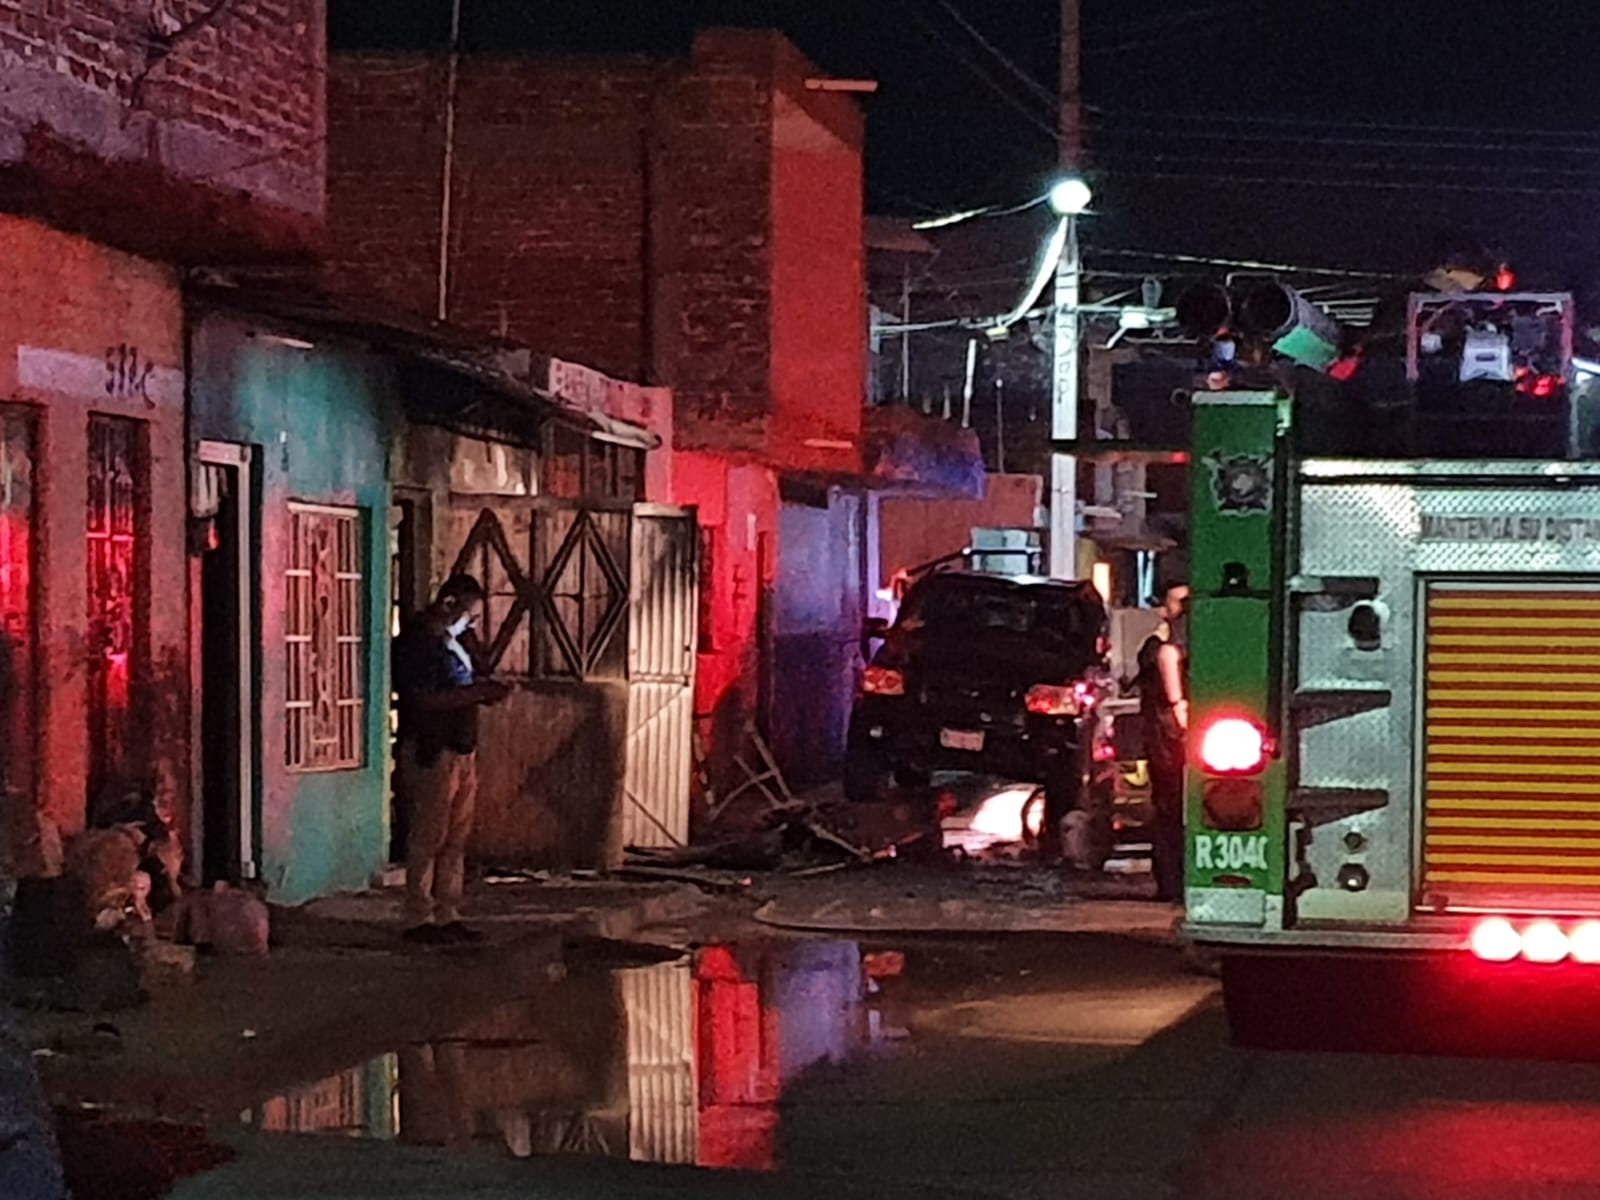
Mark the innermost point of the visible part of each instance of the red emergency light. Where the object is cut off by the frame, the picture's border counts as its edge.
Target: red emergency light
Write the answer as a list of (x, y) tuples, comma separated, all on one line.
[(1234, 746), (1496, 939)]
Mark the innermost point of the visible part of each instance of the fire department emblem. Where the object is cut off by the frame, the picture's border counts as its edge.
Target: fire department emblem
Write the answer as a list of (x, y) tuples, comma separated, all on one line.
[(1242, 483)]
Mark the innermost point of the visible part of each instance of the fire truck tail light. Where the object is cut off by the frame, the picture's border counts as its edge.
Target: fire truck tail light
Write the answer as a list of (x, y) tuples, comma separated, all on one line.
[(1584, 942), (1543, 942), (1233, 746), (883, 681), (1496, 940)]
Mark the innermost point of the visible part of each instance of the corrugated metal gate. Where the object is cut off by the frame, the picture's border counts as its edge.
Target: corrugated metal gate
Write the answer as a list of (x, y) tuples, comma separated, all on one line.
[(661, 660), (1511, 729), (592, 593)]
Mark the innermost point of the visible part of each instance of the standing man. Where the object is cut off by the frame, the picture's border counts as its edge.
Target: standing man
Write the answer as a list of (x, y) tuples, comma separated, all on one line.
[(436, 773), (1164, 708)]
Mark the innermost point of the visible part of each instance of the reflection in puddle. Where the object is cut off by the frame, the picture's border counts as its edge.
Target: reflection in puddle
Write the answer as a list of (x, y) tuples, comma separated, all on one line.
[(680, 1062), (359, 1102)]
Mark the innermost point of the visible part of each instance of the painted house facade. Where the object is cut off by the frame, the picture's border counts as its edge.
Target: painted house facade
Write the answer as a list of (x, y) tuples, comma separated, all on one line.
[(360, 457), (291, 432), (129, 153)]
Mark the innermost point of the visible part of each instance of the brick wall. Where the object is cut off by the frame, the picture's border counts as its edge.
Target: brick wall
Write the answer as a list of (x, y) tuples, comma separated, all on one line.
[(177, 128), (819, 349), (623, 213), (548, 198), (385, 146), (712, 297)]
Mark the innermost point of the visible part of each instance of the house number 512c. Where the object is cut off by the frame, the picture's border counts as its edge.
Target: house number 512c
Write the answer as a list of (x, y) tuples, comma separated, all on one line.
[(128, 373)]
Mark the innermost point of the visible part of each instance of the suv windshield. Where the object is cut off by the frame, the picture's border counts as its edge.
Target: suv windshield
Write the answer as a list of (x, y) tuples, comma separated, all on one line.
[(962, 607)]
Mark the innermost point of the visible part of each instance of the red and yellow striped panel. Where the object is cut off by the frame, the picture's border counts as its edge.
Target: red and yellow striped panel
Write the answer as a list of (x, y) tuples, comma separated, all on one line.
[(1511, 733)]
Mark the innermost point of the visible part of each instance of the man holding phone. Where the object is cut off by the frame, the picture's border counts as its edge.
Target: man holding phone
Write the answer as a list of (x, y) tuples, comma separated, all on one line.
[(436, 772)]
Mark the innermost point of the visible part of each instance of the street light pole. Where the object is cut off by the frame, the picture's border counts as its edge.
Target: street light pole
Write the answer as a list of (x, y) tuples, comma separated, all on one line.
[(1067, 349), (1066, 374)]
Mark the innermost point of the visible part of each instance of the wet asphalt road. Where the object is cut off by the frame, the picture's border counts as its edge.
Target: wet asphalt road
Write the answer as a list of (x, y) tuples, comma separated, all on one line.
[(1015, 1067), (1102, 1068)]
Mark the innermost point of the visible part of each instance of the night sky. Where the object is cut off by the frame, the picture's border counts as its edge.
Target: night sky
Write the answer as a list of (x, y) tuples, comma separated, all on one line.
[(1329, 132)]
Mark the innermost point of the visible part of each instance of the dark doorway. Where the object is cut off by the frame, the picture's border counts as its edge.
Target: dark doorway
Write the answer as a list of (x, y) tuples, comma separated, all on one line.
[(227, 650), (410, 550), (219, 684)]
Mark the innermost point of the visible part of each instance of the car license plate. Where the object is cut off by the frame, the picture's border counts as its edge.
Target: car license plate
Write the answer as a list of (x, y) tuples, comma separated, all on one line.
[(961, 739)]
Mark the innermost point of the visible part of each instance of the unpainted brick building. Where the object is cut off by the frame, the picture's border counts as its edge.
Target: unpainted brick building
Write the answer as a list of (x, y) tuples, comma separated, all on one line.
[(693, 222)]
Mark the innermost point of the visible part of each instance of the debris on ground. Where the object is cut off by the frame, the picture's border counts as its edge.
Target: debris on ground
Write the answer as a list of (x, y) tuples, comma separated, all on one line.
[(706, 878), (765, 826), (226, 920), (163, 965), (99, 935)]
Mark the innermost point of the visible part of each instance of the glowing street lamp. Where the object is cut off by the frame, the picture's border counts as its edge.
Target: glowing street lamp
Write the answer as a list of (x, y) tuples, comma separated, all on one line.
[(1070, 197)]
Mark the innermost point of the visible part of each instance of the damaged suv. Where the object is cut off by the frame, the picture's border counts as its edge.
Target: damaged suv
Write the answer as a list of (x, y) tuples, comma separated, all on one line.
[(986, 674)]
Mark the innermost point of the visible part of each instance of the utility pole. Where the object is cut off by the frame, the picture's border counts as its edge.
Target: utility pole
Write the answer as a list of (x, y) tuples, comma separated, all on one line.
[(1067, 345), (448, 182), (1071, 131)]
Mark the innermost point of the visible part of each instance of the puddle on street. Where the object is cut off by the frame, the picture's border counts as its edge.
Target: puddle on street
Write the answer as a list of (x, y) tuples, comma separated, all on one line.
[(681, 1062)]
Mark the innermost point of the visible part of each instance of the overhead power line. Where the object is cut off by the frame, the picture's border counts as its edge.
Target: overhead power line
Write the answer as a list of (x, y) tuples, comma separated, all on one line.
[(994, 85), (1193, 115), (1378, 165), (1252, 135), (1329, 182), (1242, 264), (1155, 33), (1033, 85)]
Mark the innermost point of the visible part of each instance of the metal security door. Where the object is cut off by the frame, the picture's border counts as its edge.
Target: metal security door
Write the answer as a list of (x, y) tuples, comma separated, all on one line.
[(662, 618), (115, 533)]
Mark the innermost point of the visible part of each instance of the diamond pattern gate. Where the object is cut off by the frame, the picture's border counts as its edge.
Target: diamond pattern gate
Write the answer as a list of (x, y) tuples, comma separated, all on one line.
[(594, 593)]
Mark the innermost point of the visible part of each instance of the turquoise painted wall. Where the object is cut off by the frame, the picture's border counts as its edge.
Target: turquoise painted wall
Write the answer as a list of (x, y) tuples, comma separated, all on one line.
[(322, 422)]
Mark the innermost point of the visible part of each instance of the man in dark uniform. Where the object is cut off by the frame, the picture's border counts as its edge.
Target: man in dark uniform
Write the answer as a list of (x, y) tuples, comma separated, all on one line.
[(1164, 709), (436, 773)]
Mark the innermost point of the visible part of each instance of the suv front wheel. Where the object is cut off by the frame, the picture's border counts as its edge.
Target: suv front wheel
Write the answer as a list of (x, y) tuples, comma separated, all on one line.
[(866, 774)]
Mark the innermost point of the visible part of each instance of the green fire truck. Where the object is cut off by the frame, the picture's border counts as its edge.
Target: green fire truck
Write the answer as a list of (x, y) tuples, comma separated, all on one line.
[(1394, 740)]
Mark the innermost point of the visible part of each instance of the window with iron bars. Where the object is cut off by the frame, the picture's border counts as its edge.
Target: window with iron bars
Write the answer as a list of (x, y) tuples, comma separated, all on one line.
[(325, 640)]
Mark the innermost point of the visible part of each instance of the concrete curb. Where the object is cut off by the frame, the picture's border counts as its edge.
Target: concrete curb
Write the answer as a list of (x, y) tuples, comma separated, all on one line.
[(1142, 920)]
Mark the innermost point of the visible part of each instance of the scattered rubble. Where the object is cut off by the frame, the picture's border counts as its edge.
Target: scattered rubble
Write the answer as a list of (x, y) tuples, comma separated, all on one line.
[(770, 828), (226, 920)]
